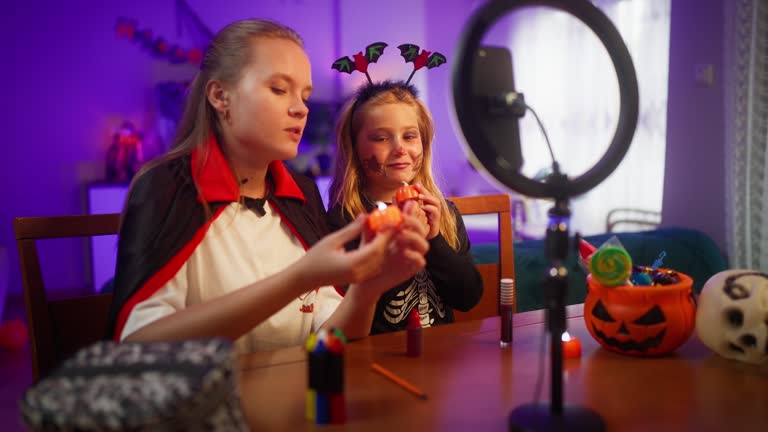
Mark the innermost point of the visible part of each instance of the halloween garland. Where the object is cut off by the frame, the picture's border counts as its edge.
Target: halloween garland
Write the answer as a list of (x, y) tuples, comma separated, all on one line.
[(128, 29)]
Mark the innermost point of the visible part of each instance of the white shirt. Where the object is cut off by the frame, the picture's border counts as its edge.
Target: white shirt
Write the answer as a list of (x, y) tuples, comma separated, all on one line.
[(238, 249)]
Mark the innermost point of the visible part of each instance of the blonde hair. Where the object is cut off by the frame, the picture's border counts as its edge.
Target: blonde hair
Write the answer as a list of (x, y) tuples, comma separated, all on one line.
[(225, 59), (347, 186)]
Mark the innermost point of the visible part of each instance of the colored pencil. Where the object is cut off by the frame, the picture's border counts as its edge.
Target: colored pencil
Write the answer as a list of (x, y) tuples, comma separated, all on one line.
[(398, 380)]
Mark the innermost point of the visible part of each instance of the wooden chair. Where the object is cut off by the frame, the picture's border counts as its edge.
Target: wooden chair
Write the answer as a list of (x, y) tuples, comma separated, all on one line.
[(491, 273), (58, 328)]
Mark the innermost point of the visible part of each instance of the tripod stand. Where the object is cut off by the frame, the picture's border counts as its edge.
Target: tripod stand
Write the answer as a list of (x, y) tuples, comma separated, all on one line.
[(555, 416)]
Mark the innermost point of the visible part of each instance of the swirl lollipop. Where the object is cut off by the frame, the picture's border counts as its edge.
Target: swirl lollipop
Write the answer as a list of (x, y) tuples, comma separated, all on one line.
[(610, 266)]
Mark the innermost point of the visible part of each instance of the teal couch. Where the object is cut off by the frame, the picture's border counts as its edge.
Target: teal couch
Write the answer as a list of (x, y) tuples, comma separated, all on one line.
[(689, 251)]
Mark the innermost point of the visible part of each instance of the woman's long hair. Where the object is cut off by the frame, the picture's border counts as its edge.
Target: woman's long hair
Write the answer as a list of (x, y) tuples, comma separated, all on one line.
[(348, 181), (227, 56)]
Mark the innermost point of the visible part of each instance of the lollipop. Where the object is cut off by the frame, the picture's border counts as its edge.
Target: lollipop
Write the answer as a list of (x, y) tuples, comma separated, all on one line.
[(610, 266)]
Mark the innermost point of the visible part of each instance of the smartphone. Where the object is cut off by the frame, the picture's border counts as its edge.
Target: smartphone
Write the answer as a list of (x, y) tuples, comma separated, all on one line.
[(493, 78)]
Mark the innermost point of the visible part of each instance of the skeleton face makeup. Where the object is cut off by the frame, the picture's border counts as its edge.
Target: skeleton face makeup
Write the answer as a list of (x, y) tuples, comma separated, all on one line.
[(732, 316)]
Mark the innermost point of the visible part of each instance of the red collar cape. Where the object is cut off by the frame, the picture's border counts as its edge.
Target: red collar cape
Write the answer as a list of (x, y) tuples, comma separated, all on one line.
[(164, 220)]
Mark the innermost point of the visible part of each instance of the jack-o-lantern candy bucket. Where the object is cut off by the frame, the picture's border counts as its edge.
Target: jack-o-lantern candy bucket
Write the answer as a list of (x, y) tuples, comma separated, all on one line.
[(640, 320)]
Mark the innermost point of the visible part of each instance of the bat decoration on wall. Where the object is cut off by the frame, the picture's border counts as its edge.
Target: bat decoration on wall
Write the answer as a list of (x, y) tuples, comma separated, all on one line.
[(361, 61), (410, 53)]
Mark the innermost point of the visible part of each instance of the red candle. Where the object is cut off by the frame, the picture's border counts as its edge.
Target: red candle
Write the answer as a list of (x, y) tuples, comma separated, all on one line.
[(571, 346)]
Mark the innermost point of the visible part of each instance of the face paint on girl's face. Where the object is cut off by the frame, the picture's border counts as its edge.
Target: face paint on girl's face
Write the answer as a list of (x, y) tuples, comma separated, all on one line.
[(372, 166), (417, 162), (389, 148)]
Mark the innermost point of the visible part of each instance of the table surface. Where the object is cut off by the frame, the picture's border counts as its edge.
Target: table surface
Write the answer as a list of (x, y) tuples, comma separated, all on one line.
[(473, 384)]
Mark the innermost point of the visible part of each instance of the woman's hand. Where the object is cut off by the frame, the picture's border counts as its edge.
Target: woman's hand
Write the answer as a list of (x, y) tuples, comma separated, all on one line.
[(405, 253), (431, 207), (328, 263), (402, 257)]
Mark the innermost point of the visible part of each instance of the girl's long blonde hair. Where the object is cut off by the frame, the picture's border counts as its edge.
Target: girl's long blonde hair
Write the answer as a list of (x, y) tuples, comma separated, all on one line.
[(225, 60), (348, 183)]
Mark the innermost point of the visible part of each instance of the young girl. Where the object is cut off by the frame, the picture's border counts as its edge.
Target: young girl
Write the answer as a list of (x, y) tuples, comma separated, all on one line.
[(220, 239), (384, 139)]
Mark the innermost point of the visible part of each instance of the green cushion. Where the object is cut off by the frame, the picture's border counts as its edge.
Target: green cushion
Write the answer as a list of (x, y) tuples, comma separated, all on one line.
[(688, 251)]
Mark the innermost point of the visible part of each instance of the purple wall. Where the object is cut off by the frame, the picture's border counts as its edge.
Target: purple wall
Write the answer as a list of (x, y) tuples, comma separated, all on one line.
[(458, 176), (71, 82), (694, 186)]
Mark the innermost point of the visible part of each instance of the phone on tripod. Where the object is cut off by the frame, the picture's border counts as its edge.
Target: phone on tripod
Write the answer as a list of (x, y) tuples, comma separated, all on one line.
[(492, 80)]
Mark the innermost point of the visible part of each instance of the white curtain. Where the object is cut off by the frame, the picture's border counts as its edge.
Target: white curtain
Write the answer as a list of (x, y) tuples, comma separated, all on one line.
[(746, 120), (566, 75)]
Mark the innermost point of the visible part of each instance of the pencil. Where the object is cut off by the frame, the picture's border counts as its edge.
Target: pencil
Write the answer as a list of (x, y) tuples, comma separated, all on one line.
[(399, 381)]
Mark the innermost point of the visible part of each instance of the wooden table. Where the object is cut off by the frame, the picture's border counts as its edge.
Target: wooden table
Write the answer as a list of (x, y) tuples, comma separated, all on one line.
[(473, 384)]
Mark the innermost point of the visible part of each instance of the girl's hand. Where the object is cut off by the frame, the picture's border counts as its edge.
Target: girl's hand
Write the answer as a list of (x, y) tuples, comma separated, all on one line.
[(418, 212), (431, 207)]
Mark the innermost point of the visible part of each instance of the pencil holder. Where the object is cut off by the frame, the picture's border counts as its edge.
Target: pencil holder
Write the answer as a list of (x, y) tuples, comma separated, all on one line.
[(326, 403)]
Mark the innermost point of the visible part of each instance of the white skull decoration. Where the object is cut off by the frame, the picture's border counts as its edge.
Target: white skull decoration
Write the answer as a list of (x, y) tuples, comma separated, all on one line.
[(732, 315)]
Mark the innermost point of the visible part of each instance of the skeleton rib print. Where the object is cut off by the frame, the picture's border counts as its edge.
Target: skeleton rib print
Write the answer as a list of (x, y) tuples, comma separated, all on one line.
[(421, 293)]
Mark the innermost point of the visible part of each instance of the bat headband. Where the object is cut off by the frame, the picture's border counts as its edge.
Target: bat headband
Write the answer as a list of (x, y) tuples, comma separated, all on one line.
[(409, 52)]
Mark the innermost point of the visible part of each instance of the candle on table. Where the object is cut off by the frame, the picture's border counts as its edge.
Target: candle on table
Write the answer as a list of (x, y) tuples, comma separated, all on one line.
[(571, 346)]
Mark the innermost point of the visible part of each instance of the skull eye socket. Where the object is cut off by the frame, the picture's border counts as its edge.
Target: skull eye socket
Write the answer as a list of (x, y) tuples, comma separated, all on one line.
[(736, 291), (601, 313), (653, 316), (734, 317)]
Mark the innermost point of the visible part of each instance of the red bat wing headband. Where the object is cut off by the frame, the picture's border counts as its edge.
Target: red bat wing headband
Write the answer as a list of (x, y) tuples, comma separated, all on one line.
[(361, 61), (409, 52)]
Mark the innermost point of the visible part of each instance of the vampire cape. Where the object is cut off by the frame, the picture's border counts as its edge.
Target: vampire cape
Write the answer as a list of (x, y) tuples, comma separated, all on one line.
[(164, 220)]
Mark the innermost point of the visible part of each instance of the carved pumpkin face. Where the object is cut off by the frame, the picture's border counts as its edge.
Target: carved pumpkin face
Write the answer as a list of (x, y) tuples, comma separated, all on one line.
[(640, 320)]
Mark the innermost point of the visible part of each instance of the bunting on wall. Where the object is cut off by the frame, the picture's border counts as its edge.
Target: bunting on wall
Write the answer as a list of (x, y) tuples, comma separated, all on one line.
[(128, 28)]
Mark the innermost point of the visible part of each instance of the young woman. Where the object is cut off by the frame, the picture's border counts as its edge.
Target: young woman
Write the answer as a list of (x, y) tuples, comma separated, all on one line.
[(220, 239), (384, 139)]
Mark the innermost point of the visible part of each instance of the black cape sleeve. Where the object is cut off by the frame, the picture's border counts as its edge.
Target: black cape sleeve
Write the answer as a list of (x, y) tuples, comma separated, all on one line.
[(161, 215)]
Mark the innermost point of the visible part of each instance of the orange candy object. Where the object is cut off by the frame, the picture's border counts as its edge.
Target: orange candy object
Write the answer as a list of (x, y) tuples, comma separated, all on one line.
[(406, 192), (383, 218)]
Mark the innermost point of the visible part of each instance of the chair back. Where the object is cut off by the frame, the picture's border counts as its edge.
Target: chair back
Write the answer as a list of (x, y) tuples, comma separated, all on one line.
[(58, 328), (491, 273)]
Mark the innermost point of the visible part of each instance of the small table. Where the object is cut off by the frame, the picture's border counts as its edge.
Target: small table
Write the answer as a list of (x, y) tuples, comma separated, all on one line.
[(473, 384)]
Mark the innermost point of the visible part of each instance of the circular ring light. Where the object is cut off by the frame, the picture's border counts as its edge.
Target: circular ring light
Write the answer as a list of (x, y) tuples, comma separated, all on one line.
[(469, 110)]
